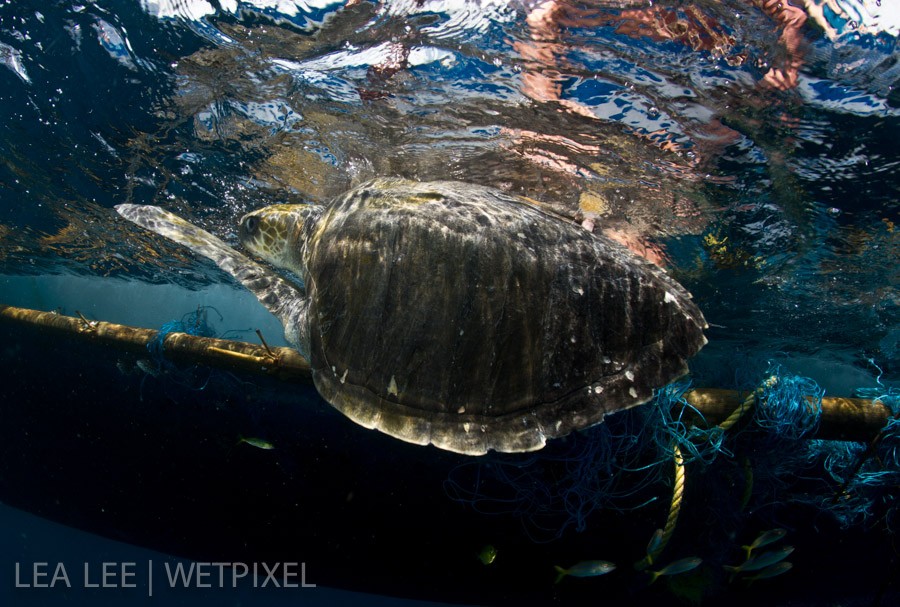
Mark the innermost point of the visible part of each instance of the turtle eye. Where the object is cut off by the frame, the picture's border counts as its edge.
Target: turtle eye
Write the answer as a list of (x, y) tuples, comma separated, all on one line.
[(251, 224)]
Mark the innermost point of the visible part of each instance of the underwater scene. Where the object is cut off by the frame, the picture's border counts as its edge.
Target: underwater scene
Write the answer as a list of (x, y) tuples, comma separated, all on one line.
[(450, 302)]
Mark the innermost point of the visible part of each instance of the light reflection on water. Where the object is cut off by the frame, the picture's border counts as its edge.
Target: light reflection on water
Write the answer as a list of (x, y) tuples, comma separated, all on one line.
[(747, 147)]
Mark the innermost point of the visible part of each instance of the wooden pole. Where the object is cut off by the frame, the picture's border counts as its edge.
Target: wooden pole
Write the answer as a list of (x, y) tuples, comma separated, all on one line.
[(283, 363), (851, 419)]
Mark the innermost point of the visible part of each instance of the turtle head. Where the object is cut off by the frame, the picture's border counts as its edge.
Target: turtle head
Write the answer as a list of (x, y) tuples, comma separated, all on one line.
[(277, 233)]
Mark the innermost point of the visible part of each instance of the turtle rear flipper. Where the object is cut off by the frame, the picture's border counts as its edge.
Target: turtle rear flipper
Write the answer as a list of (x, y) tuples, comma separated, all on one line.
[(286, 301)]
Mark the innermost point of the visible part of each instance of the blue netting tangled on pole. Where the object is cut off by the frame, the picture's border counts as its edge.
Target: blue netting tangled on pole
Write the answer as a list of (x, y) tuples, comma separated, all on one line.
[(158, 367), (865, 478), (680, 423), (790, 406), (192, 323), (622, 464)]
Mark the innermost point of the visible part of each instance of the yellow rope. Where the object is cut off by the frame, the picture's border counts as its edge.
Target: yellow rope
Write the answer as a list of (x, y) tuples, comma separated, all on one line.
[(678, 491), (677, 497), (674, 509), (748, 403)]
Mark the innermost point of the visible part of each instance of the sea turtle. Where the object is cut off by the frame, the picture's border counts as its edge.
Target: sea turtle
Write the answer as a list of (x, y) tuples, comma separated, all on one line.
[(458, 315)]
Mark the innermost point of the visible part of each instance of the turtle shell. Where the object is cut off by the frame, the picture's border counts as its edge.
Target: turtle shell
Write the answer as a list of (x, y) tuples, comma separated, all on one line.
[(457, 315)]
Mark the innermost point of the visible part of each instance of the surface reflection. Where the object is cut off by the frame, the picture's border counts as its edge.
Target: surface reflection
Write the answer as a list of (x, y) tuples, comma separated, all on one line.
[(733, 140)]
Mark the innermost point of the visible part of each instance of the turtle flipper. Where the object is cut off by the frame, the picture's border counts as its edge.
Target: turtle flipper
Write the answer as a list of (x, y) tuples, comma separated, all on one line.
[(283, 299)]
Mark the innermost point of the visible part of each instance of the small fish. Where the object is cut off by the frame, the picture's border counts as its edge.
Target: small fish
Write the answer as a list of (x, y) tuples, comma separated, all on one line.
[(488, 554), (771, 571), (679, 566), (764, 539), (147, 367), (761, 561), (259, 443), (655, 543), (584, 569)]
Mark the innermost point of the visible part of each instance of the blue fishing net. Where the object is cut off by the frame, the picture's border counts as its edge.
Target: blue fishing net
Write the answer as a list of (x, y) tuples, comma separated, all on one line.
[(625, 463), (790, 406), (192, 323), (865, 478), (563, 484), (173, 377), (677, 422)]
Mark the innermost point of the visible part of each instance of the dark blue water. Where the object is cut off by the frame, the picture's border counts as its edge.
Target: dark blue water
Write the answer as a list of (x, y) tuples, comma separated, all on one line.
[(750, 150)]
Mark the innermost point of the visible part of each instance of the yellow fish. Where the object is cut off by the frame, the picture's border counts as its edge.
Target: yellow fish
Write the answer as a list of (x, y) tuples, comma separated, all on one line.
[(259, 443), (677, 567), (764, 539), (585, 569), (761, 561), (770, 571), (487, 555)]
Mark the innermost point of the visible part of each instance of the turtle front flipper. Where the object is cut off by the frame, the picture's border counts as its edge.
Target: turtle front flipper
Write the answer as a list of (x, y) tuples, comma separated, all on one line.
[(283, 299)]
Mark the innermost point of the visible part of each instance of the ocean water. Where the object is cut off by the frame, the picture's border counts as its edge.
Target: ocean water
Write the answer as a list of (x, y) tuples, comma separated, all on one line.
[(748, 147)]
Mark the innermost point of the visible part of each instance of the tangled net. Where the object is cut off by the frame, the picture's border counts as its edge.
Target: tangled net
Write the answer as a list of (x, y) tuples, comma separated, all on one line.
[(191, 379), (621, 463)]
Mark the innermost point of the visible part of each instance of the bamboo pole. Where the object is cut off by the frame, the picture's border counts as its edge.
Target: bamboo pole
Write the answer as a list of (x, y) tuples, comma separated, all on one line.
[(283, 363), (851, 419)]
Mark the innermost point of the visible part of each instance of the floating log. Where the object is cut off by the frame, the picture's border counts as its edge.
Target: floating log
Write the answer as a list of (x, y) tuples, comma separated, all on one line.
[(851, 419)]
